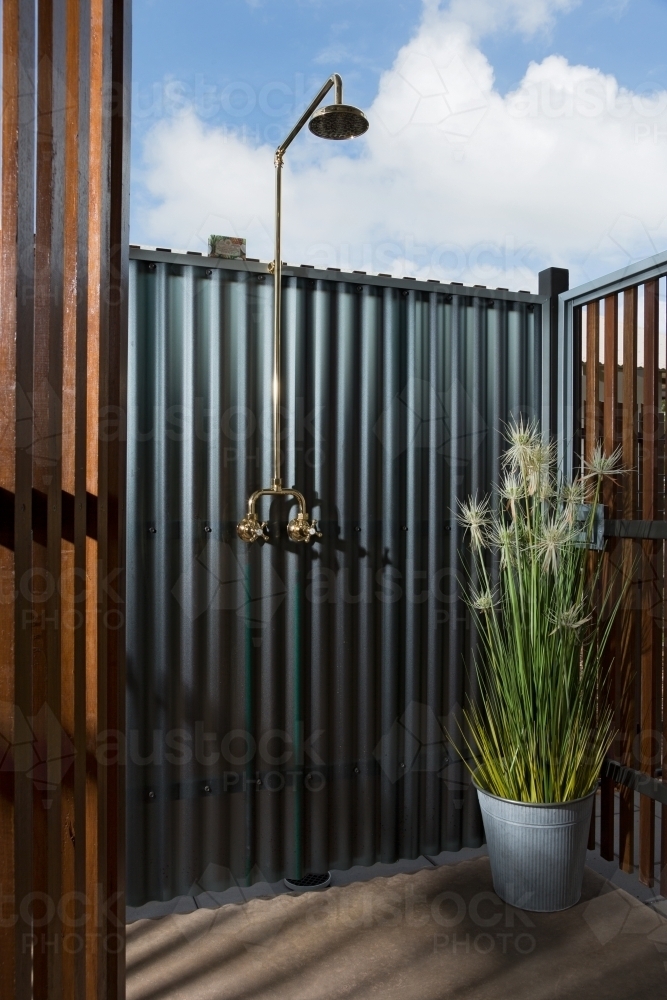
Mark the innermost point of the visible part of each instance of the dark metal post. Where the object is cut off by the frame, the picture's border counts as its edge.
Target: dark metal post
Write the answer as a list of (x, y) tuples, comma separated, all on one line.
[(551, 282)]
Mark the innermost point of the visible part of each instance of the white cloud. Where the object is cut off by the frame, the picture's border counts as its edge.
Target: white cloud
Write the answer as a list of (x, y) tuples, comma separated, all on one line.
[(485, 17), (452, 181)]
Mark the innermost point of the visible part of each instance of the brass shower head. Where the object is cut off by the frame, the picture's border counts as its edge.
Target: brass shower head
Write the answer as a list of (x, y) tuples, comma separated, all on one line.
[(338, 121)]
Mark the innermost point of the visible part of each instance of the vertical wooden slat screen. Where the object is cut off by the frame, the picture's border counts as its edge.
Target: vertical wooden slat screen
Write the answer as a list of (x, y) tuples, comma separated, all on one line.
[(63, 303), (631, 415)]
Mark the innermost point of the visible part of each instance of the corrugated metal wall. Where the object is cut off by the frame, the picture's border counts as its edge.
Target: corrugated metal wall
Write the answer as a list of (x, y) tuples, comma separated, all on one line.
[(286, 703)]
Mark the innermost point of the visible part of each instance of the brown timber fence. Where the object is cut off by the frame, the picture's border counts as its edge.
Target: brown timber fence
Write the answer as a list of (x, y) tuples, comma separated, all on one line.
[(63, 322), (612, 344)]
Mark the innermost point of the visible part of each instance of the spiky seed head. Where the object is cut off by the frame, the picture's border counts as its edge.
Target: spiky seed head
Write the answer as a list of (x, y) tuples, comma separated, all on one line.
[(512, 490), (511, 487), (524, 441), (475, 517), (555, 534), (570, 619), (573, 493), (601, 465), (503, 537), (546, 489), (482, 601), (539, 470)]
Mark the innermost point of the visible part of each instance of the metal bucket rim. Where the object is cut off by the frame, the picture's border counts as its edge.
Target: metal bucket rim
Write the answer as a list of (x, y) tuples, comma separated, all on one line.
[(531, 805)]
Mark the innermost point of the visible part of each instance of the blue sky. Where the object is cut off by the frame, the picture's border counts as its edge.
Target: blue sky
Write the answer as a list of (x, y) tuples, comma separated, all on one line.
[(622, 38), (213, 76), (205, 44), (230, 41)]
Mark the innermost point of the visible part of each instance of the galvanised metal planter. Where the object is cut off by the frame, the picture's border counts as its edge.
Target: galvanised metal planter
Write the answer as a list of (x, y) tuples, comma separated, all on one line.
[(537, 851)]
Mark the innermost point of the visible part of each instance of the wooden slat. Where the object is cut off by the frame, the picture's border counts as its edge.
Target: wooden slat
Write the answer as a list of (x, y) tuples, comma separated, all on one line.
[(56, 737), (660, 619), (96, 971), (628, 623), (40, 453), (660, 452), (84, 659), (62, 361), (578, 443), (111, 516), (95, 178), (593, 411), (24, 790), (651, 583), (8, 301), (663, 831), (592, 434), (90, 822), (610, 560), (72, 959)]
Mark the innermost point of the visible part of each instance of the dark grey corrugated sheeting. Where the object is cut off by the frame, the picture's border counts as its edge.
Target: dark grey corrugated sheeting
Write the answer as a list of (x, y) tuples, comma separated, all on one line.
[(286, 703)]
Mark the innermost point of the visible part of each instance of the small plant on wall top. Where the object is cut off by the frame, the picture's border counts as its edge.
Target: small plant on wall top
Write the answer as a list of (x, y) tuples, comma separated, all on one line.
[(538, 732)]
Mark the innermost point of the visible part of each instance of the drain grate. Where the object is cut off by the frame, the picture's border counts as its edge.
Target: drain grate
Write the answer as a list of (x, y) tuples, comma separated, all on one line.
[(313, 880)]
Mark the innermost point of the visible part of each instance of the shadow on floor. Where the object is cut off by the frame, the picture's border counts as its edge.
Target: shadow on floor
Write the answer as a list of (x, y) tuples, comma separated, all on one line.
[(437, 932)]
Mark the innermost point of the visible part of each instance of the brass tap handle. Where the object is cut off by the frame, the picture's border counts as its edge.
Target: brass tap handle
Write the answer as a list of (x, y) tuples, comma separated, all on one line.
[(249, 529), (301, 529)]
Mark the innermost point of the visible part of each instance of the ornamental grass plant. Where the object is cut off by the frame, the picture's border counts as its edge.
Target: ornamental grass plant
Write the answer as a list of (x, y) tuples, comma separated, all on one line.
[(538, 731)]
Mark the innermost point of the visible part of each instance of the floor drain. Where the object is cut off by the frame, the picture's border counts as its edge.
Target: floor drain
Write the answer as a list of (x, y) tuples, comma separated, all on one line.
[(313, 880)]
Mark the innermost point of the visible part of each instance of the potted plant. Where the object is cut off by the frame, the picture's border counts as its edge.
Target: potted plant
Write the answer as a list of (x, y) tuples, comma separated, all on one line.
[(537, 735)]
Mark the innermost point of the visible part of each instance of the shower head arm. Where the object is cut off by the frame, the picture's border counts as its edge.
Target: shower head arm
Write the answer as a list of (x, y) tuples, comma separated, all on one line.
[(335, 81)]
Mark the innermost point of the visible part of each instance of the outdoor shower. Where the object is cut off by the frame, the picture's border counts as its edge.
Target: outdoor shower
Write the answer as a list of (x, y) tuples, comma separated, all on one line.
[(335, 121)]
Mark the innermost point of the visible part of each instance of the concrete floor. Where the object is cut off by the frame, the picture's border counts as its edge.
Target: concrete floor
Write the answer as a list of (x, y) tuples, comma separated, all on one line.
[(432, 933)]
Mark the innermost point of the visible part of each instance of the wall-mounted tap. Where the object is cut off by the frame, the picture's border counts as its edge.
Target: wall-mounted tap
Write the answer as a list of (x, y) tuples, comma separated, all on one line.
[(299, 529)]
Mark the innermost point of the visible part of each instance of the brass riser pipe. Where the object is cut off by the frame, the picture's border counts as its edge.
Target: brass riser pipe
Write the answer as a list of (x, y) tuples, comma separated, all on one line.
[(301, 528)]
